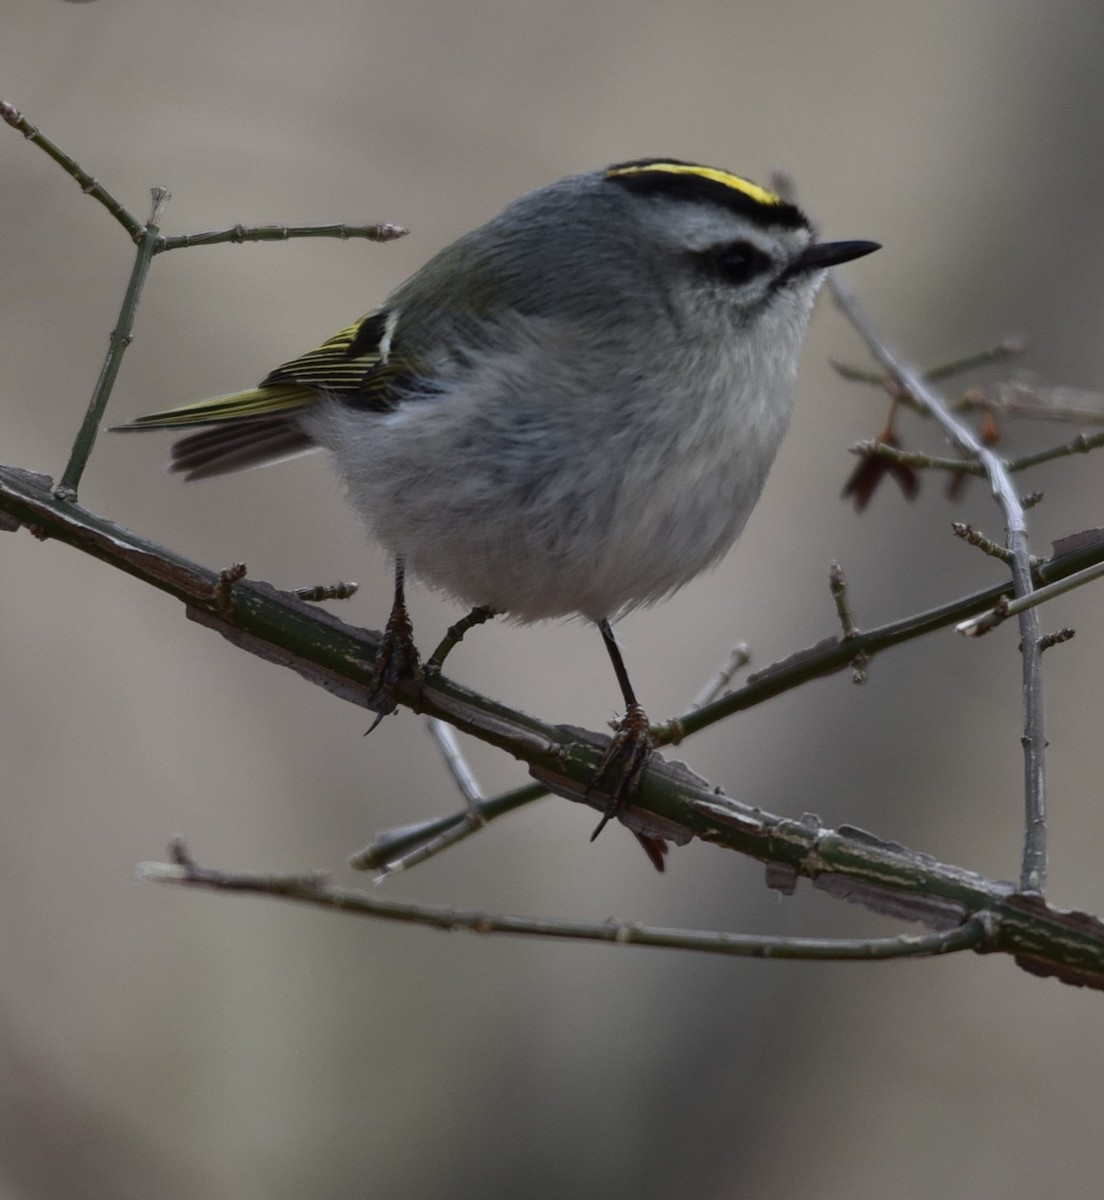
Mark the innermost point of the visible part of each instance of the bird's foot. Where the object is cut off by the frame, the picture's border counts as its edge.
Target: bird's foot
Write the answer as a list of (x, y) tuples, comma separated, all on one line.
[(397, 660), (629, 751), (627, 756)]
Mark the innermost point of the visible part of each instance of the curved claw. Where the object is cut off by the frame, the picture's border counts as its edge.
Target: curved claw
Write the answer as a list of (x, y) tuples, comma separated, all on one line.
[(629, 750), (397, 660)]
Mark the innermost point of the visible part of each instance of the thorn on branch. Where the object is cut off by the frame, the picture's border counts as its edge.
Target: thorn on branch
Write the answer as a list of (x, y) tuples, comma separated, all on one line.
[(223, 590)]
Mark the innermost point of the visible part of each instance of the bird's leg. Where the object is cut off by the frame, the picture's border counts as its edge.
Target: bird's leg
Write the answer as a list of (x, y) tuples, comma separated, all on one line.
[(455, 634), (397, 656), (629, 750)]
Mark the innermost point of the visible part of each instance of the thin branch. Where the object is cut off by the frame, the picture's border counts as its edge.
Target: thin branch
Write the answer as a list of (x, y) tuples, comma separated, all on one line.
[(1007, 347), (973, 934), (1033, 870), (457, 764), (1036, 401), (88, 185), (379, 232), (739, 656), (1082, 444), (916, 459), (400, 849), (121, 338), (985, 621), (987, 546), (837, 585)]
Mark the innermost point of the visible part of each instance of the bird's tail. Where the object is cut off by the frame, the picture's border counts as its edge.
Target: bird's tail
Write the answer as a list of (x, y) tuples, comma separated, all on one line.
[(239, 431)]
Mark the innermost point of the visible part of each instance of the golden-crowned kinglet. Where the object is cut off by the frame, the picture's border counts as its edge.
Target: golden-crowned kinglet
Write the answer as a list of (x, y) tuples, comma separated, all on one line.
[(571, 410)]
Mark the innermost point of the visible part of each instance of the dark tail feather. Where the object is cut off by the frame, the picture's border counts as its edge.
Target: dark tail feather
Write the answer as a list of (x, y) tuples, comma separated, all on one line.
[(237, 446)]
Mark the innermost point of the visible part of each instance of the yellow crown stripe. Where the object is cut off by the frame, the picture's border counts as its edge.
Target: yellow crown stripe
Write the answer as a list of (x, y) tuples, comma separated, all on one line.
[(738, 184)]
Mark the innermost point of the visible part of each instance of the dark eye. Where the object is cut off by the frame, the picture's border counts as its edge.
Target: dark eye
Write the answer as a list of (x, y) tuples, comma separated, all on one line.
[(739, 261)]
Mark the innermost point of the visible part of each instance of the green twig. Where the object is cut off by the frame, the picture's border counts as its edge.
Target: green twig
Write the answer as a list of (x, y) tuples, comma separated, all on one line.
[(837, 585), (90, 186), (915, 458), (121, 337)]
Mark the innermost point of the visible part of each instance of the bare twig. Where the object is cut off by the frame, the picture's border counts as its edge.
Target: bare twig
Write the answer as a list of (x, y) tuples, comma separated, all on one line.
[(1033, 871), (1007, 347), (88, 185), (1082, 444), (739, 656), (378, 232), (457, 764), (315, 889), (837, 585), (121, 338), (1036, 401), (985, 621), (400, 849), (972, 537)]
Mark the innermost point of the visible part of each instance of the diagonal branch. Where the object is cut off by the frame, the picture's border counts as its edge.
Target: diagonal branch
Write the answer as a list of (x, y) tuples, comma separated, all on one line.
[(1033, 871), (89, 185)]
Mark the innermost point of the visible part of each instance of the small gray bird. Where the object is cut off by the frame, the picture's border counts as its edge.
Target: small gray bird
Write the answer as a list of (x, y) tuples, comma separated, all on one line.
[(570, 410)]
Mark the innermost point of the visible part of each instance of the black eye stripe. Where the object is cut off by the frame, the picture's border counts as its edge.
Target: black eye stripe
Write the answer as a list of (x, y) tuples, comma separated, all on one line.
[(737, 262)]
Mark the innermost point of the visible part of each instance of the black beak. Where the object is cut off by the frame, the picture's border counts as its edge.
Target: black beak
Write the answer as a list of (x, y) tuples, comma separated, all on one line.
[(820, 255)]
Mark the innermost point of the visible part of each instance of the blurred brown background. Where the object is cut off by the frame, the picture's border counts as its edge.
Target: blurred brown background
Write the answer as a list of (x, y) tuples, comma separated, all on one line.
[(157, 1043)]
